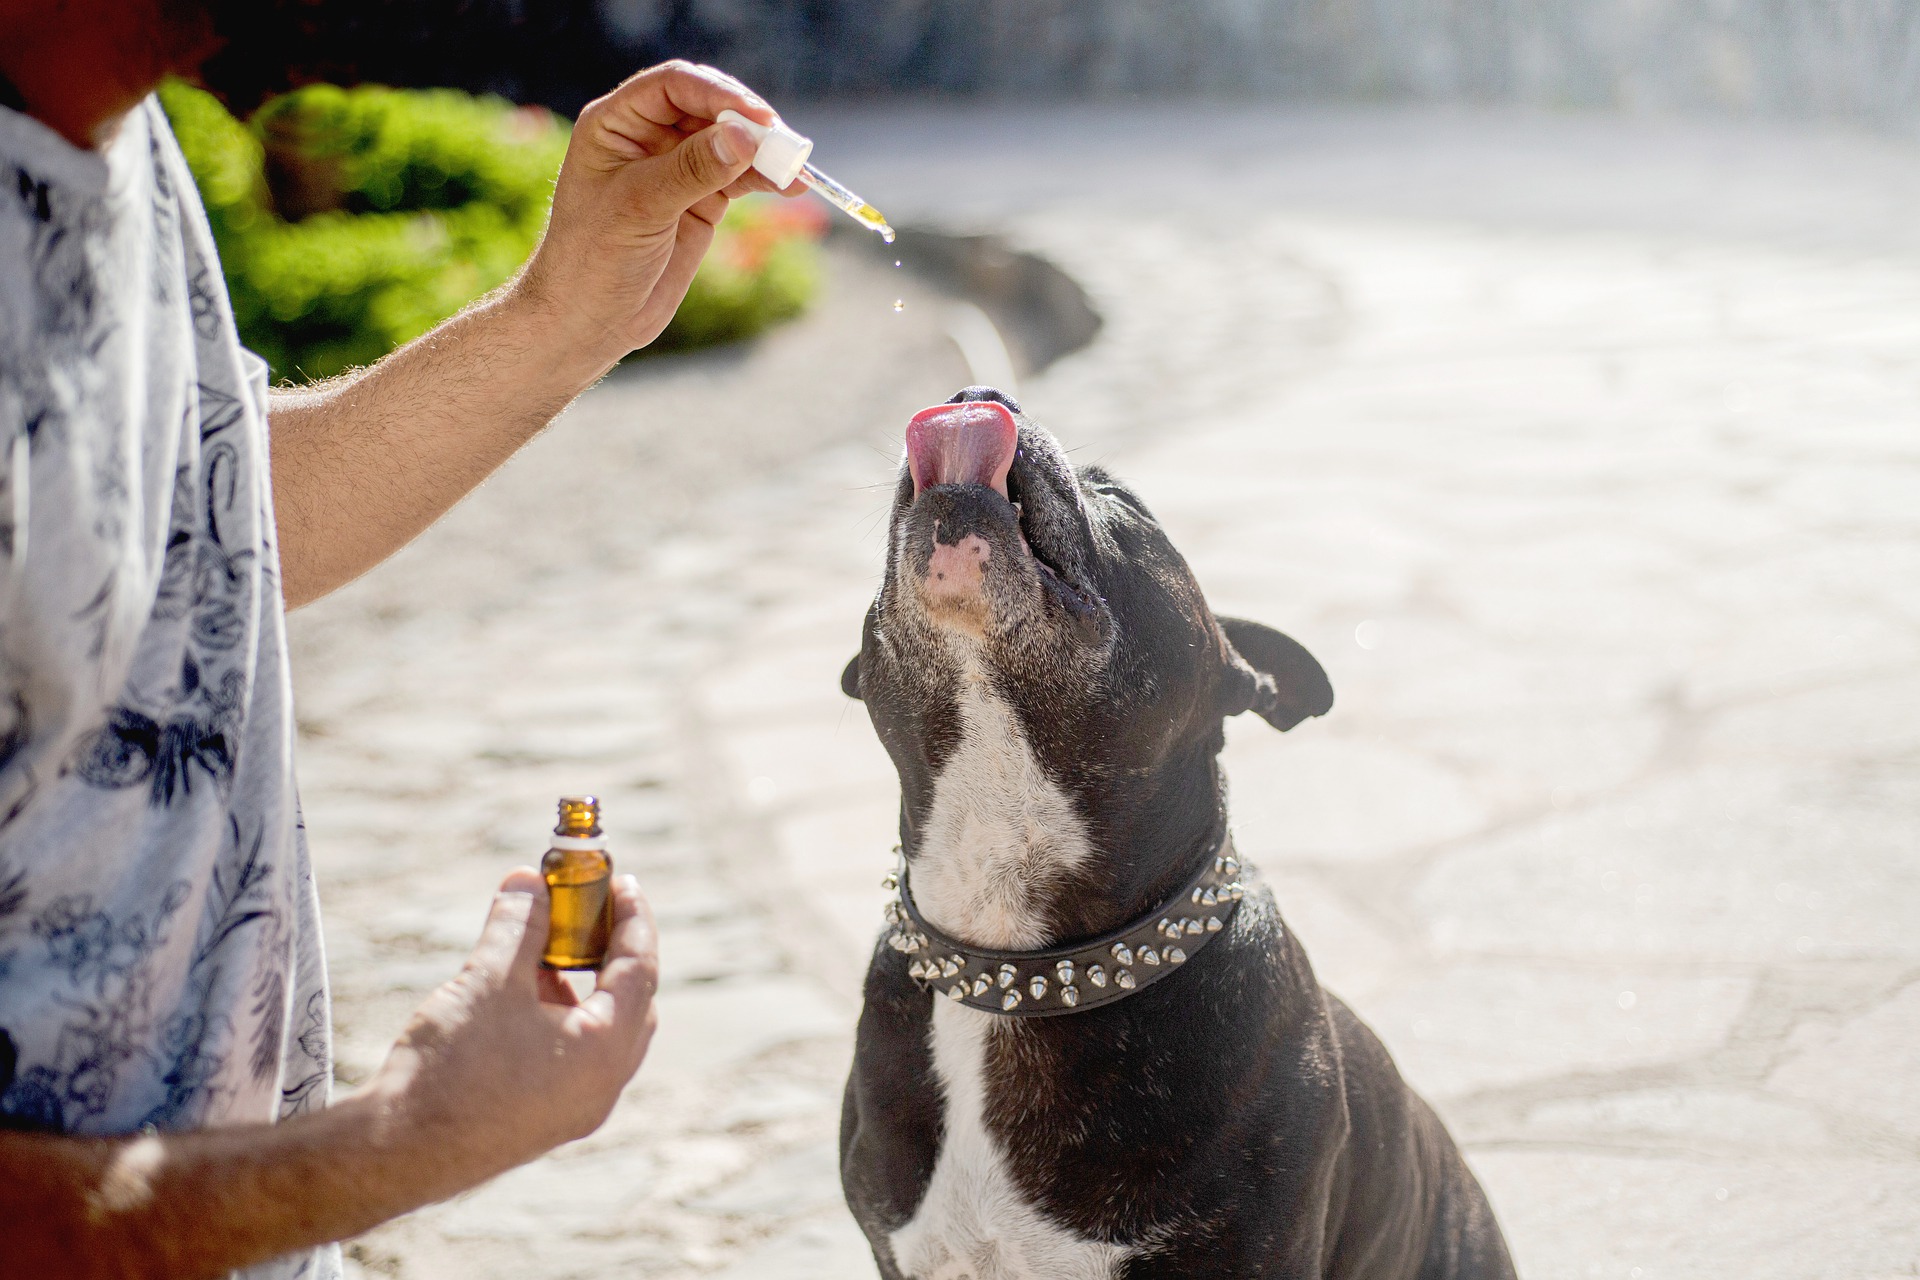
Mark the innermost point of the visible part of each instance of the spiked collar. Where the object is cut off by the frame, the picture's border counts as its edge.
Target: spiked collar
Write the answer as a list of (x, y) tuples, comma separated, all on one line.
[(1076, 977)]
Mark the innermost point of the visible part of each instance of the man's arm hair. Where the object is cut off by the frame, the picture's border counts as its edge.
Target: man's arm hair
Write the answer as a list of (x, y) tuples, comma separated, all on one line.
[(366, 461), (203, 1204)]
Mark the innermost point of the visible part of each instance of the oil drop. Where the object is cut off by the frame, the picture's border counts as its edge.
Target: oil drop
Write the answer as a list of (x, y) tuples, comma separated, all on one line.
[(899, 305), (579, 876)]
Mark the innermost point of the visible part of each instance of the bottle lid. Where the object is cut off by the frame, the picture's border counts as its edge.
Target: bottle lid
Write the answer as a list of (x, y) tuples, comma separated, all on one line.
[(782, 151)]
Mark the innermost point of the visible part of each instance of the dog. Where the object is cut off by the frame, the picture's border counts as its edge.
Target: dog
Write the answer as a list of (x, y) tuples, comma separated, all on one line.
[(1090, 1048)]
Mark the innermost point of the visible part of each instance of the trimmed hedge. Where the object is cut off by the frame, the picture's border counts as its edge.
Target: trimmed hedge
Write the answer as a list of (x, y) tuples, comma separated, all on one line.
[(350, 221)]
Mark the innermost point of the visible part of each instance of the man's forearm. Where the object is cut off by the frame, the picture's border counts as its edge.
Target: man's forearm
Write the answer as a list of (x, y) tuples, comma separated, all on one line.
[(206, 1203), (364, 463)]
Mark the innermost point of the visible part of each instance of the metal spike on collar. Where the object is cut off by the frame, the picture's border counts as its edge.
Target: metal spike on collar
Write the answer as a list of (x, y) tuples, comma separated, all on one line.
[(1037, 987), (1125, 980)]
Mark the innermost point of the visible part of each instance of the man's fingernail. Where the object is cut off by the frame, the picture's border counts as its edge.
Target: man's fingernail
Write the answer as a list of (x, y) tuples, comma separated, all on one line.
[(521, 880), (732, 144)]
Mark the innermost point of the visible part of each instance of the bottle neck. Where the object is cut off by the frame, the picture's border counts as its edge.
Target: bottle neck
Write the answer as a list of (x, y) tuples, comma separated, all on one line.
[(578, 842)]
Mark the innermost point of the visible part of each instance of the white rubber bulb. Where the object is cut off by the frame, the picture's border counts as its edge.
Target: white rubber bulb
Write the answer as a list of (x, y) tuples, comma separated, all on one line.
[(781, 151)]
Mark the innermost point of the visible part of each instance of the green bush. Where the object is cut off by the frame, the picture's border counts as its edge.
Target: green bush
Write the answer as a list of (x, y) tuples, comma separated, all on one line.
[(352, 220)]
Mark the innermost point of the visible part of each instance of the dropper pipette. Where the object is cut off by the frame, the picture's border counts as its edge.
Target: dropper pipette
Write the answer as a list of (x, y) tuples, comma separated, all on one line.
[(782, 157), (858, 209)]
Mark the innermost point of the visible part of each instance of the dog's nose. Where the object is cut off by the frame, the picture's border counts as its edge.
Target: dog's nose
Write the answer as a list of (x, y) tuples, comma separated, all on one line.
[(968, 443), (977, 392), (958, 570)]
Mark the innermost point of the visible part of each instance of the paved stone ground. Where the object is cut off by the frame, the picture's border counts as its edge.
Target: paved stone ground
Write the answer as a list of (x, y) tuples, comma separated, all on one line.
[(1595, 486)]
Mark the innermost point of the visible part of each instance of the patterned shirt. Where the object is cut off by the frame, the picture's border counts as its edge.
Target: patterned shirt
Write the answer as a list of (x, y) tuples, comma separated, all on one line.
[(160, 959)]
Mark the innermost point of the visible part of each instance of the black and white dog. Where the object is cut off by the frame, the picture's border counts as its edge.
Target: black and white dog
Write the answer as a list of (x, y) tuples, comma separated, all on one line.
[(1088, 1050)]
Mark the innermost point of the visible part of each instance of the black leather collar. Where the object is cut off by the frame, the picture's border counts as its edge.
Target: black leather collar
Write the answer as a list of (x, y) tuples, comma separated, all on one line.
[(1073, 978)]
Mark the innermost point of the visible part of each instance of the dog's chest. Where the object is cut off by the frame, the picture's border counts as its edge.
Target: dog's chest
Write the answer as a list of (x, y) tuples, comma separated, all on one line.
[(998, 836), (974, 1223), (999, 833)]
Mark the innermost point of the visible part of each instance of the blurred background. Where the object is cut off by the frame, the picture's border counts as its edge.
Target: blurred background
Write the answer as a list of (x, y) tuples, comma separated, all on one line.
[(1845, 58), (1547, 368)]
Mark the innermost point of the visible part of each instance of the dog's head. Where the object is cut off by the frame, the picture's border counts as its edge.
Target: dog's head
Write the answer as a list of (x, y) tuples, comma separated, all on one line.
[(1053, 589)]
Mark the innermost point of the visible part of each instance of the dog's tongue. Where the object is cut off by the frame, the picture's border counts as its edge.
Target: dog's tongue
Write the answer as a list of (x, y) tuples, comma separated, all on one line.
[(970, 443)]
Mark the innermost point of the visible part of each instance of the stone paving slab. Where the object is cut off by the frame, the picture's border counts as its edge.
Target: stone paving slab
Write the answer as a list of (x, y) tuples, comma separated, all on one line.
[(1606, 1215), (1602, 508)]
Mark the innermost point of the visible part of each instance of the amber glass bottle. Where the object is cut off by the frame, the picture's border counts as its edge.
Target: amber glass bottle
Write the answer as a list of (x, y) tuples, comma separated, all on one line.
[(580, 884)]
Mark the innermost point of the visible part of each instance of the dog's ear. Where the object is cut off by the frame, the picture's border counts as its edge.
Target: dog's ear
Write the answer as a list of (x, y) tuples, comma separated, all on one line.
[(1271, 675), (850, 674)]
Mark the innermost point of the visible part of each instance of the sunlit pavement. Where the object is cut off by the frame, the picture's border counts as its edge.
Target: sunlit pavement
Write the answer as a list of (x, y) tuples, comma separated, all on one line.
[(1585, 455)]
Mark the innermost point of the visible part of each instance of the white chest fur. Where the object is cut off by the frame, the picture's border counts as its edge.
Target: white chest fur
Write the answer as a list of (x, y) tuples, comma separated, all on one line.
[(998, 834), (974, 1224)]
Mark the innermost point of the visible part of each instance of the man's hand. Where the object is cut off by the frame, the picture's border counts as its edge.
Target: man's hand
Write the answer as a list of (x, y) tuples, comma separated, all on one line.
[(498, 1065), (502, 1063), (647, 177)]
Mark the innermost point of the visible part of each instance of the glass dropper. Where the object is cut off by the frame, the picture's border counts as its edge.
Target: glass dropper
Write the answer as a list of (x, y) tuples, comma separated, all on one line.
[(782, 157), (857, 208)]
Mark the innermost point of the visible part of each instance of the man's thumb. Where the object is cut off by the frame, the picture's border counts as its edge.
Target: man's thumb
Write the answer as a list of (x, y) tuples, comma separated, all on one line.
[(516, 930), (709, 160)]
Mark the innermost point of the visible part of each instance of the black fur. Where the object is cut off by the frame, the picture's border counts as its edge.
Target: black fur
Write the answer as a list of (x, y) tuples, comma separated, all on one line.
[(1234, 1115)]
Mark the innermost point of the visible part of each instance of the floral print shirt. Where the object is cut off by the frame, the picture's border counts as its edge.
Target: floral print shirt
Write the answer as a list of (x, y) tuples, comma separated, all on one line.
[(160, 961)]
